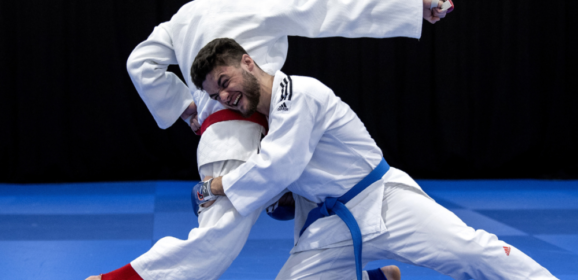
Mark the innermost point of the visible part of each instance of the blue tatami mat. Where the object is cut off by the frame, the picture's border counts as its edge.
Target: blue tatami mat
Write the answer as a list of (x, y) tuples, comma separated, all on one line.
[(71, 231)]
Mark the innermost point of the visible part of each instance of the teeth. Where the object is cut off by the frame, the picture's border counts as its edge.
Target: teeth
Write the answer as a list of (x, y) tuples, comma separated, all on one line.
[(237, 100)]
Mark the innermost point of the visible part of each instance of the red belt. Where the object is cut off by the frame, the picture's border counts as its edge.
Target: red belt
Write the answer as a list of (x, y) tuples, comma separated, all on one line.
[(229, 115)]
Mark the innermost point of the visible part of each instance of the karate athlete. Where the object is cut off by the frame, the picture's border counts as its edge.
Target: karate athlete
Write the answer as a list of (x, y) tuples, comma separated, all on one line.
[(261, 27), (318, 148)]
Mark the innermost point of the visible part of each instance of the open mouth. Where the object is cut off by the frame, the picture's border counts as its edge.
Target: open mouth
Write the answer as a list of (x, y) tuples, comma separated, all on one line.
[(236, 101)]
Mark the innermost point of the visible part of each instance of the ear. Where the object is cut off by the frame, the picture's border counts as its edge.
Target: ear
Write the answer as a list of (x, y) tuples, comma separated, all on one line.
[(248, 62)]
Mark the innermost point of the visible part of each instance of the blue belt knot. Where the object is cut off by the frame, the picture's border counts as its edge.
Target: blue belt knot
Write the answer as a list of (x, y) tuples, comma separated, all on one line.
[(336, 206), (327, 206)]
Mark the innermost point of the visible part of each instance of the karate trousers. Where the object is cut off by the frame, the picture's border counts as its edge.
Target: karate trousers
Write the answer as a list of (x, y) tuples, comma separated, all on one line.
[(210, 249), (423, 233)]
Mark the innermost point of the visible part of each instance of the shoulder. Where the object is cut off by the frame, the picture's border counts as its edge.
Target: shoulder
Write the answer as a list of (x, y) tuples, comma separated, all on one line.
[(311, 88), (305, 82), (302, 92), (301, 88)]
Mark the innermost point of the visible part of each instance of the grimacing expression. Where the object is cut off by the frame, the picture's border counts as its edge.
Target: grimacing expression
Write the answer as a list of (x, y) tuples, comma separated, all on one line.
[(235, 88), (252, 93)]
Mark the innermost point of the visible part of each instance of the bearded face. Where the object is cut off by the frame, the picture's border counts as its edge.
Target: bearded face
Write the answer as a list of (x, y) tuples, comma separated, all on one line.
[(235, 87), (251, 92)]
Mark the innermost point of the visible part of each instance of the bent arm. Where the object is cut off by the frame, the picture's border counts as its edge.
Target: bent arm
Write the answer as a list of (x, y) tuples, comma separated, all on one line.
[(284, 155), (164, 94)]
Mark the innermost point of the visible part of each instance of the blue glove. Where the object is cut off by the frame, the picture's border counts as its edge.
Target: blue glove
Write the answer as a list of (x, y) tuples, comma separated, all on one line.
[(281, 213), (283, 209), (201, 193)]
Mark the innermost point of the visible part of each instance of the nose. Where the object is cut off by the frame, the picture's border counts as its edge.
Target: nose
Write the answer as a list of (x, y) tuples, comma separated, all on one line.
[(223, 97)]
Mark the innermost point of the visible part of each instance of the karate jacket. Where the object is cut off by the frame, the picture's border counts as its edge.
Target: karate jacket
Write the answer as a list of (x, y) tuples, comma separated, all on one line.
[(316, 147), (261, 27)]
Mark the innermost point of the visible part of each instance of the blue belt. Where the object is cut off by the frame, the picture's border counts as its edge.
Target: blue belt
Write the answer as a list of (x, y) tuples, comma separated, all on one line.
[(336, 206)]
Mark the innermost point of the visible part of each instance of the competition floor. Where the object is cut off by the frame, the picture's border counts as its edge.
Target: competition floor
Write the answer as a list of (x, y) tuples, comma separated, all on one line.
[(71, 231)]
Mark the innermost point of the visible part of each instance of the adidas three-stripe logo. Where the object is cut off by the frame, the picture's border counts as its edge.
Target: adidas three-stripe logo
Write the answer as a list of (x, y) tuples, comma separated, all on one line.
[(286, 89), (286, 94)]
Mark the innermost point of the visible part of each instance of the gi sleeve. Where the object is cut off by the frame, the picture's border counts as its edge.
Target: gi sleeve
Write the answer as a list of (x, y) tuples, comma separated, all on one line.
[(347, 18), (285, 152), (164, 94)]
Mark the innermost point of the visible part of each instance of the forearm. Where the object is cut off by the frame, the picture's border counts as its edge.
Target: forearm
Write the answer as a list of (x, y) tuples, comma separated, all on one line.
[(217, 186)]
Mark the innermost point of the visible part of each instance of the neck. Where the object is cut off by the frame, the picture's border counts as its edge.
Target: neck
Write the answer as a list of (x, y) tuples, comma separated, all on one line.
[(266, 90)]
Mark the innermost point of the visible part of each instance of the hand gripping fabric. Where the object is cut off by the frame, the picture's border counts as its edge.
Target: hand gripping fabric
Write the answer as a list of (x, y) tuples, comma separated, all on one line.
[(200, 194), (336, 206), (447, 5)]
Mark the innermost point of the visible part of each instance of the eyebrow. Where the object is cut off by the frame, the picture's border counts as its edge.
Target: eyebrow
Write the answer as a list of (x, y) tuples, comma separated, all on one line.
[(220, 79), (214, 95)]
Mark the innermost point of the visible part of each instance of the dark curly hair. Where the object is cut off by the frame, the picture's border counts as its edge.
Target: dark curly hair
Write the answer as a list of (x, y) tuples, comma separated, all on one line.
[(219, 52)]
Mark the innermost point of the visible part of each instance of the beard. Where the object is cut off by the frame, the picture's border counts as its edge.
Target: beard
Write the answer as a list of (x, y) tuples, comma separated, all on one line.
[(251, 89)]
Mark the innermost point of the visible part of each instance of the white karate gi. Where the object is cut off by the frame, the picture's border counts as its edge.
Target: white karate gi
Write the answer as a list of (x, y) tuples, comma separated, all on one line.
[(261, 27), (317, 147)]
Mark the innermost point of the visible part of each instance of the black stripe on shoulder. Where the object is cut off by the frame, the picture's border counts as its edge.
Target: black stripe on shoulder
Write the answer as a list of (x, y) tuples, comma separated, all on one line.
[(284, 89), (282, 93), (290, 86)]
